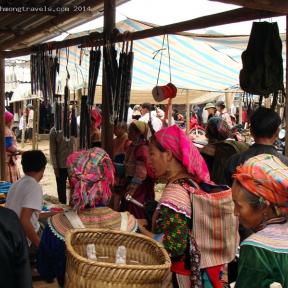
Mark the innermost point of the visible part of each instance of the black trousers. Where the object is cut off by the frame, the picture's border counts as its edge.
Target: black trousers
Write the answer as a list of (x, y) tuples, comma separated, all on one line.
[(61, 185)]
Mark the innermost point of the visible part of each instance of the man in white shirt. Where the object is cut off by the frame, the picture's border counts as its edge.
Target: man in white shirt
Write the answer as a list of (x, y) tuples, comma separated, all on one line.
[(146, 115), (25, 197)]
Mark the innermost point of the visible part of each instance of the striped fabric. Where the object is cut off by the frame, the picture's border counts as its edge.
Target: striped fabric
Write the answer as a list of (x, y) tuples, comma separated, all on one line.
[(100, 217), (219, 240), (176, 197), (272, 238)]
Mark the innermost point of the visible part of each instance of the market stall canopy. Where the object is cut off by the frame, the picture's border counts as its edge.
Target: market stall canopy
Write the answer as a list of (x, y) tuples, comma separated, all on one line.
[(195, 65)]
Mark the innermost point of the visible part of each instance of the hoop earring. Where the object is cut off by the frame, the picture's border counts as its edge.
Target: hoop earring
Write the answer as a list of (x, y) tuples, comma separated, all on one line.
[(264, 222)]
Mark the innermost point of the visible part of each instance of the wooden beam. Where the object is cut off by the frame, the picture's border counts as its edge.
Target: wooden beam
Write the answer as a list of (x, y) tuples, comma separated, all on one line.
[(280, 6), (233, 16), (65, 16)]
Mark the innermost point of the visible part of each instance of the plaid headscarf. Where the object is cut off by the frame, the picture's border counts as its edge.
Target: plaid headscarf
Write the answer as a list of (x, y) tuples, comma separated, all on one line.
[(90, 172), (175, 140), (96, 116), (266, 176), (217, 128), (143, 127)]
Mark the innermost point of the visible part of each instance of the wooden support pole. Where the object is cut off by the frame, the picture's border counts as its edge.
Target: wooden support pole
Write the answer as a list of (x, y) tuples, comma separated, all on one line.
[(2, 122), (286, 114), (107, 127), (233, 16)]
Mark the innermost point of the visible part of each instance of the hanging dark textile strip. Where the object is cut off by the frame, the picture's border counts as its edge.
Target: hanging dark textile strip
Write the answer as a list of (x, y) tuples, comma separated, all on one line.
[(83, 124), (130, 59), (66, 112)]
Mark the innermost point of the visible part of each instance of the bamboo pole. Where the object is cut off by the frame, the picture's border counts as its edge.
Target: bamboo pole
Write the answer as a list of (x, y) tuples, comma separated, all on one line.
[(233, 16), (2, 122)]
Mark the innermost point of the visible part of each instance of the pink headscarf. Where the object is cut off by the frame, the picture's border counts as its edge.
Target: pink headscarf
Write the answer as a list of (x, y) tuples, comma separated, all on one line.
[(8, 116), (174, 139), (96, 116)]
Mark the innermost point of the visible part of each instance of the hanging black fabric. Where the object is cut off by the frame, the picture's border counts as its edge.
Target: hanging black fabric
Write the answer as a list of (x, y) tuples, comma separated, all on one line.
[(262, 72), (83, 123)]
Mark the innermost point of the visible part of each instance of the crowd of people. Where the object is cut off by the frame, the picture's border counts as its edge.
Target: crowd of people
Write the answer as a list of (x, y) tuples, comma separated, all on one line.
[(146, 149)]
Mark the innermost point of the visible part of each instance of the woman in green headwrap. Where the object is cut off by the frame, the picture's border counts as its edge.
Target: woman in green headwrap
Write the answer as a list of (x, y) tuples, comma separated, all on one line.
[(136, 168)]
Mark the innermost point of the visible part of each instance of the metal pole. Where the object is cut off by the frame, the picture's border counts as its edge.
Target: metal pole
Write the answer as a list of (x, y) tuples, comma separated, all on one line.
[(2, 122)]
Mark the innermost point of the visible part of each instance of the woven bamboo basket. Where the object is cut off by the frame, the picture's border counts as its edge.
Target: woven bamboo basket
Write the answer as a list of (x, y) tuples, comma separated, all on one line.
[(147, 262)]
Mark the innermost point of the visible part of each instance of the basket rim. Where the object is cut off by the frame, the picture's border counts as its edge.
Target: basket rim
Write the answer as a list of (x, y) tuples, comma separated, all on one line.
[(69, 247)]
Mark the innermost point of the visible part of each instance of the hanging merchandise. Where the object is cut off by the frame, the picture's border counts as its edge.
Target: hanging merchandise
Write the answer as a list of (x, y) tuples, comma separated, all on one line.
[(83, 123), (66, 125), (123, 84), (110, 68), (262, 72), (128, 81), (41, 77), (54, 72), (74, 119), (95, 59), (117, 99), (57, 112), (169, 91)]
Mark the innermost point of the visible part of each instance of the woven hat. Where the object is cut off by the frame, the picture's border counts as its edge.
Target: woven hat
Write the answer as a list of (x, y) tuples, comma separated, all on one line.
[(209, 105)]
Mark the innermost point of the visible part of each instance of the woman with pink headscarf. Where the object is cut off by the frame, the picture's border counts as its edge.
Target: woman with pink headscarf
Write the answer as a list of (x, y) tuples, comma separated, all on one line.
[(12, 171), (173, 155), (260, 195), (95, 135)]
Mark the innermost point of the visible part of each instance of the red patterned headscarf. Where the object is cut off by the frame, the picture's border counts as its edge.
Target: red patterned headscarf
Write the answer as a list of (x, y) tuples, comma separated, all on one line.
[(267, 177), (174, 139), (96, 116)]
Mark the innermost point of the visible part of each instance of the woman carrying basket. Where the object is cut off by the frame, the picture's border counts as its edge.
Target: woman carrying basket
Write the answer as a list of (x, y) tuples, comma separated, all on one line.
[(91, 172), (173, 155)]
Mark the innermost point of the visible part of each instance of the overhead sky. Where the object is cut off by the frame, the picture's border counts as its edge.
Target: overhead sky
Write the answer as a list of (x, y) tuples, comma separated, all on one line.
[(163, 12)]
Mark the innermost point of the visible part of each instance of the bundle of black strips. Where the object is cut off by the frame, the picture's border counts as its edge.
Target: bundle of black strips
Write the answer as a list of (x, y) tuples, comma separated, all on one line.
[(123, 85), (84, 123), (66, 124)]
